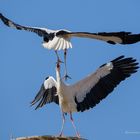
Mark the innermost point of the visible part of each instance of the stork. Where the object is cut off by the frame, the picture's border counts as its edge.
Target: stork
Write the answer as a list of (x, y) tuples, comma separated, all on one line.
[(60, 39), (86, 93)]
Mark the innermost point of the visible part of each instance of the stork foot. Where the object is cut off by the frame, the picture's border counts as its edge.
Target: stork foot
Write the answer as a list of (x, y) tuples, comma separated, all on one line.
[(78, 135), (61, 135), (66, 76)]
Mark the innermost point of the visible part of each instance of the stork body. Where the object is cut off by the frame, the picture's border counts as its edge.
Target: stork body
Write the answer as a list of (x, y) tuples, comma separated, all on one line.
[(64, 94), (86, 93), (60, 39)]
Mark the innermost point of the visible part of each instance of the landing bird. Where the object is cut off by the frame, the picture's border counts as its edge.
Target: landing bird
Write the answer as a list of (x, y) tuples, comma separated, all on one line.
[(86, 93), (60, 39)]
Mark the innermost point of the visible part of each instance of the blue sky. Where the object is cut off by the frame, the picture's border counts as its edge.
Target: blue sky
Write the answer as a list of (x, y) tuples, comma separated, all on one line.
[(25, 64)]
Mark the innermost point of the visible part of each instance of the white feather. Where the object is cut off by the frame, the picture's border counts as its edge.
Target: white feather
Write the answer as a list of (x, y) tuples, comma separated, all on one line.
[(70, 45), (53, 43), (61, 44), (49, 83), (58, 44), (64, 45), (81, 88), (67, 44), (47, 30)]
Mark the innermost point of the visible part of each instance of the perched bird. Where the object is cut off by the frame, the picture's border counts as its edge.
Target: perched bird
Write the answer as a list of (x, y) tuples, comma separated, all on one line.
[(60, 39), (86, 93)]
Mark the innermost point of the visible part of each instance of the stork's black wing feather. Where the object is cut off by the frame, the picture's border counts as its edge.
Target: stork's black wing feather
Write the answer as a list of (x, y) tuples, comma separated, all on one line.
[(41, 32), (46, 95), (110, 37)]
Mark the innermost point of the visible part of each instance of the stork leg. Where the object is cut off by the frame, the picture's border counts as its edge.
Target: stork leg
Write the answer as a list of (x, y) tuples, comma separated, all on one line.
[(66, 75), (58, 59), (71, 118), (63, 122)]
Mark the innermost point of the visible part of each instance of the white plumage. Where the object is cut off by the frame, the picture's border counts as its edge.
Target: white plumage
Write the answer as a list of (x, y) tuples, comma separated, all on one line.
[(88, 92), (50, 82), (58, 43)]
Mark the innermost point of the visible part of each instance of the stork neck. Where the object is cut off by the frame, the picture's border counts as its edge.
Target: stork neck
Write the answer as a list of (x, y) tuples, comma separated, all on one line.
[(58, 75)]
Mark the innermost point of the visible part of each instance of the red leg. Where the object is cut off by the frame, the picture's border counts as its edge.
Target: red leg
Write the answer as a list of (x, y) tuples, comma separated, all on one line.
[(77, 133), (63, 122), (58, 59), (65, 62)]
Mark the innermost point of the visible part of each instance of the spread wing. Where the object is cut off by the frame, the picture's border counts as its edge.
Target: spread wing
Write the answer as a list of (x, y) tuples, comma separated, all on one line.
[(110, 37), (40, 31), (51, 40), (60, 39), (91, 90), (46, 94)]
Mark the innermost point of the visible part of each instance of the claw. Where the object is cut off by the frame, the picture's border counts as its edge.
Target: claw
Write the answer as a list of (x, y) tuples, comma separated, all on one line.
[(78, 135), (67, 77), (60, 135)]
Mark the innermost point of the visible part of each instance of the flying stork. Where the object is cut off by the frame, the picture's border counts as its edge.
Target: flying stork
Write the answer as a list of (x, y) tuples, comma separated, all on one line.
[(86, 93), (60, 39)]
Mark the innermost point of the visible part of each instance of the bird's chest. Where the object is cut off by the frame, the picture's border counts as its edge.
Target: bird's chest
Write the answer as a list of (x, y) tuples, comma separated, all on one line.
[(67, 103), (67, 106), (63, 98)]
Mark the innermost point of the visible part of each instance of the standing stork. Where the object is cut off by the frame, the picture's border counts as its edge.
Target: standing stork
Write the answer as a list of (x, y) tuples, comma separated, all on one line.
[(86, 93), (60, 39)]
